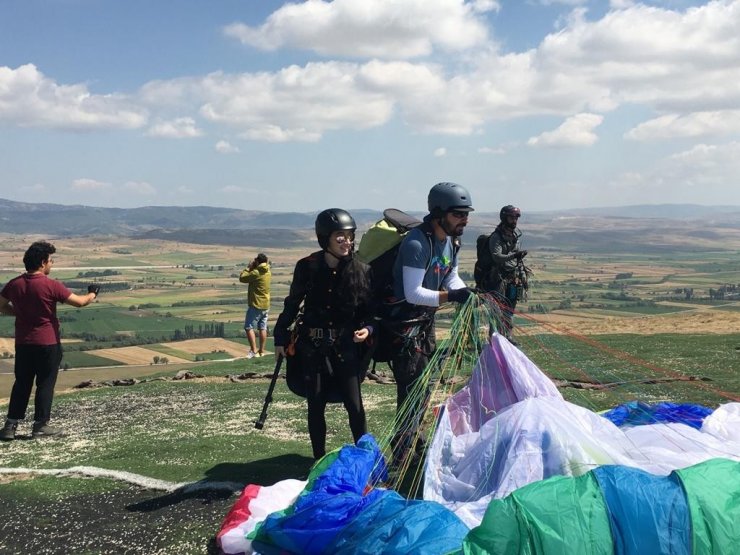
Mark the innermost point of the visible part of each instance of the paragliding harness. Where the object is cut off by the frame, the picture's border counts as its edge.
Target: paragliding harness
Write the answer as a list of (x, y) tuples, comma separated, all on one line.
[(402, 326), (322, 342)]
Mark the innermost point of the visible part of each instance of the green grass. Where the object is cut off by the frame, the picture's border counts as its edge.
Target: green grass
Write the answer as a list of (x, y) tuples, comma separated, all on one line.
[(635, 358), (171, 351), (214, 356), (656, 309), (184, 431), (82, 359)]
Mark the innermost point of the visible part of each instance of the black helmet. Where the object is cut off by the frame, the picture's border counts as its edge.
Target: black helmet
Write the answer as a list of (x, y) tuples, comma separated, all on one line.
[(509, 210), (444, 197), (331, 220)]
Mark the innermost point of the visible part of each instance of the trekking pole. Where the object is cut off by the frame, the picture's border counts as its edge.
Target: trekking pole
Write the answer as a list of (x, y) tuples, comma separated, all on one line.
[(260, 422)]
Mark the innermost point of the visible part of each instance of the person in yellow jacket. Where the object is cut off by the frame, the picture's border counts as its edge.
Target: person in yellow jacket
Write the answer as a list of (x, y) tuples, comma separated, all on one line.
[(257, 275)]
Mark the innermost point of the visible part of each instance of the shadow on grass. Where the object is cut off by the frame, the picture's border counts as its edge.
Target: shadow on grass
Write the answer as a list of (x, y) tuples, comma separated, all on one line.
[(229, 478)]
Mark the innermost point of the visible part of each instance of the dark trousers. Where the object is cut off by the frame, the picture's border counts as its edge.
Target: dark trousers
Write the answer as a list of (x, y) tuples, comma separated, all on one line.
[(321, 386), (39, 363), (408, 366)]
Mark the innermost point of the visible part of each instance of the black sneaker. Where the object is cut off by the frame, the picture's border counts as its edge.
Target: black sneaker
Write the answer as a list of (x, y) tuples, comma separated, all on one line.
[(8, 431), (42, 429)]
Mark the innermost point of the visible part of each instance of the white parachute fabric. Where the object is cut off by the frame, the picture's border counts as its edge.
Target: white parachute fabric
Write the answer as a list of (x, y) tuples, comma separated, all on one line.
[(723, 423), (509, 426)]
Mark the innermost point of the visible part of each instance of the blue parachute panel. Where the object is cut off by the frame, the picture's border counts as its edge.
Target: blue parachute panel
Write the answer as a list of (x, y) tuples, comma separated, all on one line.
[(647, 513), (636, 413)]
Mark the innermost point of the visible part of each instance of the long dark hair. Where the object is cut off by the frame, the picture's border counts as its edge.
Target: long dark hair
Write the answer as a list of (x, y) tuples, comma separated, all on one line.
[(355, 285)]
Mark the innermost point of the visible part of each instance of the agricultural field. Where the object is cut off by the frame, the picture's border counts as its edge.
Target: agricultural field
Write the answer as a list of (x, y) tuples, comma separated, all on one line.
[(607, 328), (162, 293)]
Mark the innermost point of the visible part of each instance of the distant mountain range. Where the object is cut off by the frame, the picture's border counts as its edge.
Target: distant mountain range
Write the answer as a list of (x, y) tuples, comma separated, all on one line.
[(209, 225)]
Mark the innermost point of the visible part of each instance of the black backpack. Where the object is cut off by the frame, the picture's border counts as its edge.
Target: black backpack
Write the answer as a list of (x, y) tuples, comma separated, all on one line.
[(484, 261)]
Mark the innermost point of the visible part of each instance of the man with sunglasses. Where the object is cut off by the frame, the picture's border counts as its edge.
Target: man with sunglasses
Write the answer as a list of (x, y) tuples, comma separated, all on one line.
[(424, 278), (504, 246)]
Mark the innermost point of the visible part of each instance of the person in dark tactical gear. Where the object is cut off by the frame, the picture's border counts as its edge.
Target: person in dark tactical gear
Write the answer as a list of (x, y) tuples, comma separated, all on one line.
[(329, 306), (502, 274)]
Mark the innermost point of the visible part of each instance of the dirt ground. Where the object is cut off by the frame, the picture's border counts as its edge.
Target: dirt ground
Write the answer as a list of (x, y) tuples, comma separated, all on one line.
[(133, 355), (198, 346), (701, 320), (122, 520)]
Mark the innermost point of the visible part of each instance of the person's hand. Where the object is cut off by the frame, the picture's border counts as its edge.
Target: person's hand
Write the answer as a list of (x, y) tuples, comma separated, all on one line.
[(521, 254), (93, 288), (459, 295), (279, 351), (360, 335)]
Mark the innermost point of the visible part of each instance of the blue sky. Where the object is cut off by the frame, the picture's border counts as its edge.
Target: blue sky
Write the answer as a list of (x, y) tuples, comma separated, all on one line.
[(267, 105)]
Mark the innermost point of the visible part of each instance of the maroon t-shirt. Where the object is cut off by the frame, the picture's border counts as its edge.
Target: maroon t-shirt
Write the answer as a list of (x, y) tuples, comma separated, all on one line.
[(35, 298)]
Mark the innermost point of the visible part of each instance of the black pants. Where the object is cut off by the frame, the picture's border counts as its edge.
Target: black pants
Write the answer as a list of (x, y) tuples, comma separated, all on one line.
[(408, 366), (40, 363), (342, 376)]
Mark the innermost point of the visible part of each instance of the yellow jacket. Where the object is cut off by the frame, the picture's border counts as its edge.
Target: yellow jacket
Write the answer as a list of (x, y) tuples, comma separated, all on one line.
[(258, 294)]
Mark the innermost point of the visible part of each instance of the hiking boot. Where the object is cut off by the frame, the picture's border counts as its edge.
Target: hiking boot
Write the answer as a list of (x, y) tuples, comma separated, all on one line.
[(8, 431), (42, 429), (251, 354)]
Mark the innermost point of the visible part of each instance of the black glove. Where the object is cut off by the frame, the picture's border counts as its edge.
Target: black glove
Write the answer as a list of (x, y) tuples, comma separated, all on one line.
[(520, 254), (93, 288), (459, 295)]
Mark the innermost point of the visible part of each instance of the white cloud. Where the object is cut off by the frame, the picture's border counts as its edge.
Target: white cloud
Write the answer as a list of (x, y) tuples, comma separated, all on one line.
[(139, 188), (483, 6), (621, 4), (295, 103), (564, 2), (703, 174), (225, 147), (178, 128), (397, 29), (29, 99), (697, 124), (490, 150), (575, 131), (671, 62), (667, 61), (232, 189), (440, 152), (86, 184)]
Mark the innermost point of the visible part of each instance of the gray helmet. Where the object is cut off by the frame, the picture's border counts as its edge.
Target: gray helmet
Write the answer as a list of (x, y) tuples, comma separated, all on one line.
[(509, 210), (444, 197), (331, 220)]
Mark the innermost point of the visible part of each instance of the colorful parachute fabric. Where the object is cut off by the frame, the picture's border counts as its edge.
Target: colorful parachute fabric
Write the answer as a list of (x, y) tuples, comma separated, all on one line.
[(510, 427), (338, 513), (514, 468), (636, 413), (620, 510)]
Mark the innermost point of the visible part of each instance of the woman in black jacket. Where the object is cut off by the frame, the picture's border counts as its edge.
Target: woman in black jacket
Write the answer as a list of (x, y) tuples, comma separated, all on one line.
[(334, 289)]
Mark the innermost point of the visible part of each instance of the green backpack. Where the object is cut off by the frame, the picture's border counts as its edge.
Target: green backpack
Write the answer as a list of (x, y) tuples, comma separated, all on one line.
[(379, 247)]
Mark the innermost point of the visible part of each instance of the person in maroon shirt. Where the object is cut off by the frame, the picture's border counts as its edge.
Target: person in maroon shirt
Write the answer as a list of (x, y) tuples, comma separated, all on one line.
[(32, 298)]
